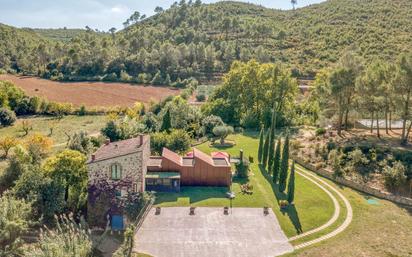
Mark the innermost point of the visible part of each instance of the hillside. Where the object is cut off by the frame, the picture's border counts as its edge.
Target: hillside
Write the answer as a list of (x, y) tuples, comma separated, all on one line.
[(203, 40), (21, 49), (63, 34)]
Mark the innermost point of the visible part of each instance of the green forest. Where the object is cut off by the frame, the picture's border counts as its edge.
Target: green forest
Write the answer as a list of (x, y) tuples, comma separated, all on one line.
[(191, 39)]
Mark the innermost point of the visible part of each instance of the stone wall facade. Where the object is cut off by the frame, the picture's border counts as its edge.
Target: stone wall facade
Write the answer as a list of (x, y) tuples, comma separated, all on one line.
[(359, 187), (101, 186)]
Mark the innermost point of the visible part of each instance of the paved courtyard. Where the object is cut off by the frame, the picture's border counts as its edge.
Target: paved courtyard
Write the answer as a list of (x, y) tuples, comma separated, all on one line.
[(244, 232)]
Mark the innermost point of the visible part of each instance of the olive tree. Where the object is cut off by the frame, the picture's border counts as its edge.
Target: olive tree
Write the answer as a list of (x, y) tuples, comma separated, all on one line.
[(222, 132)]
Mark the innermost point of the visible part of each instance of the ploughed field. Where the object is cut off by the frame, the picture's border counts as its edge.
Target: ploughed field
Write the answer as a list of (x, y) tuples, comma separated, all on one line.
[(90, 94)]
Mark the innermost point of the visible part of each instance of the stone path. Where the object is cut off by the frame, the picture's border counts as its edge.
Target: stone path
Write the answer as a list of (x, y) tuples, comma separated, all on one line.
[(343, 226), (335, 214)]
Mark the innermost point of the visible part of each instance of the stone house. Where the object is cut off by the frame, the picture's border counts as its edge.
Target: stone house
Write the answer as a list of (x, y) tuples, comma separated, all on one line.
[(115, 170)]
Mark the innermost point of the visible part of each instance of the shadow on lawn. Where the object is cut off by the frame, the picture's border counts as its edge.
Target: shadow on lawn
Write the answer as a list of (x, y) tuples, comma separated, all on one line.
[(290, 210)]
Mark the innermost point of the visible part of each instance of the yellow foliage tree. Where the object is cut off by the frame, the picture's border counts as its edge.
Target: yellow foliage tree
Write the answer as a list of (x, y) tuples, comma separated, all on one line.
[(38, 145), (6, 144)]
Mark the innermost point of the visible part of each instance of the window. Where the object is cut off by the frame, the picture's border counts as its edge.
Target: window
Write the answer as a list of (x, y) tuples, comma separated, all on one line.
[(167, 182), (116, 170)]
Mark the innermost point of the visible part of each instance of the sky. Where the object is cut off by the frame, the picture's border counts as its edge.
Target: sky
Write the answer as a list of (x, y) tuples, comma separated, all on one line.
[(97, 14)]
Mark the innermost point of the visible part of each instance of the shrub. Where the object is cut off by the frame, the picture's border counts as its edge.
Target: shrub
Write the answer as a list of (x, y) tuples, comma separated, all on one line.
[(158, 140), (210, 122), (201, 97), (7, 117), (125, 77), (110, 77), (80, 142), (331, 145), (69, 239), (334, 159), (249, 120), (14, 221), (82, 111), (178, 141), (394, 176), (320, 131), (358, 161), (242, 168)]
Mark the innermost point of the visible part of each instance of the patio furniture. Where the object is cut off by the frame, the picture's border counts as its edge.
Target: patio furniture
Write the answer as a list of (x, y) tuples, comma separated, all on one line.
[(266, 210), (192, 211), (226, 210)]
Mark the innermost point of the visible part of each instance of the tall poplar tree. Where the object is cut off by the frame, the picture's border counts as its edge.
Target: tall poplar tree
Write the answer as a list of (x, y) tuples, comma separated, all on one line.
[(266, 149), (166, 122), (284, 165), (272, 141), (291, 184), (276, 162), (260, 151)]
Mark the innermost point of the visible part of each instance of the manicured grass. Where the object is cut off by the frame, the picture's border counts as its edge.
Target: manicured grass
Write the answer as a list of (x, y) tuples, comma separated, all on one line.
[(376, 230), (312, 207)]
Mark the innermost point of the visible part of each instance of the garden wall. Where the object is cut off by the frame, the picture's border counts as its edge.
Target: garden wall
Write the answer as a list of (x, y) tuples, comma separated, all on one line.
[(354, 185)]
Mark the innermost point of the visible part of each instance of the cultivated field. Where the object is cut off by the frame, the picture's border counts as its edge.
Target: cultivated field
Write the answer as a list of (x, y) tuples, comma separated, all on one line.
[(90, 93)]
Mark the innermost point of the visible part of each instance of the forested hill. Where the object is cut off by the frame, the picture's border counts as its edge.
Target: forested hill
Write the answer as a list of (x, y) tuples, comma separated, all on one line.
[(203, 40), (63, 34)]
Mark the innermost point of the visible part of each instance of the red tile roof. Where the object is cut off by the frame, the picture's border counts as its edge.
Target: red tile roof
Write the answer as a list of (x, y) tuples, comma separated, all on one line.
[(119, 148)]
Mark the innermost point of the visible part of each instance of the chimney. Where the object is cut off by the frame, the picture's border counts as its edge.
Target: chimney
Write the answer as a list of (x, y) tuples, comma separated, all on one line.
[(93, 157), (241, 155), (141, 139), (107, 142)]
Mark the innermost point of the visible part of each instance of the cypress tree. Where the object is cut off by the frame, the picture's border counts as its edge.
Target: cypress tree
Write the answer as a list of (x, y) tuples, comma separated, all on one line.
[(283, 174), (266, 149), (166, 122), (260, 151), (272, 141), (291, 184), (276, 162)]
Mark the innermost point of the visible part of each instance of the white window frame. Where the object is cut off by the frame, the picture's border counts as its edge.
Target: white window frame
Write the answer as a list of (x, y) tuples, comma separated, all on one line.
[(116, 171)]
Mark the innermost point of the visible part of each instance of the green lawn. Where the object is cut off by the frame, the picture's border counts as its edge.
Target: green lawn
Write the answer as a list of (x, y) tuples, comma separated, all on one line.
[(312, 207), (382, 230)]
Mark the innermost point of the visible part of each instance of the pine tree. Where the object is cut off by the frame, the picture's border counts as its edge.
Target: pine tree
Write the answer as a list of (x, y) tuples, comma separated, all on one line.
[(284, 166), (272, 141), (276, 162), (260, 151), (291, 184), (167, 81), (266, 149), (166, 122), (157, 79)]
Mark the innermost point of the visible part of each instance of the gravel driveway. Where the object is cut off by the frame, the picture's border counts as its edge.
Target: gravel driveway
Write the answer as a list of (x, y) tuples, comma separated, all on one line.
[(244, 232)]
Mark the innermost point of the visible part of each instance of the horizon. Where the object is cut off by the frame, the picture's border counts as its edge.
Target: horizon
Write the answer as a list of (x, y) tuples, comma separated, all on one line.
[(97, 14)]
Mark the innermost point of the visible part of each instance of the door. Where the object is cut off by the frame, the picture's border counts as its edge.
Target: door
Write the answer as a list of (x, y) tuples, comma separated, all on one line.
[(117, 222)]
